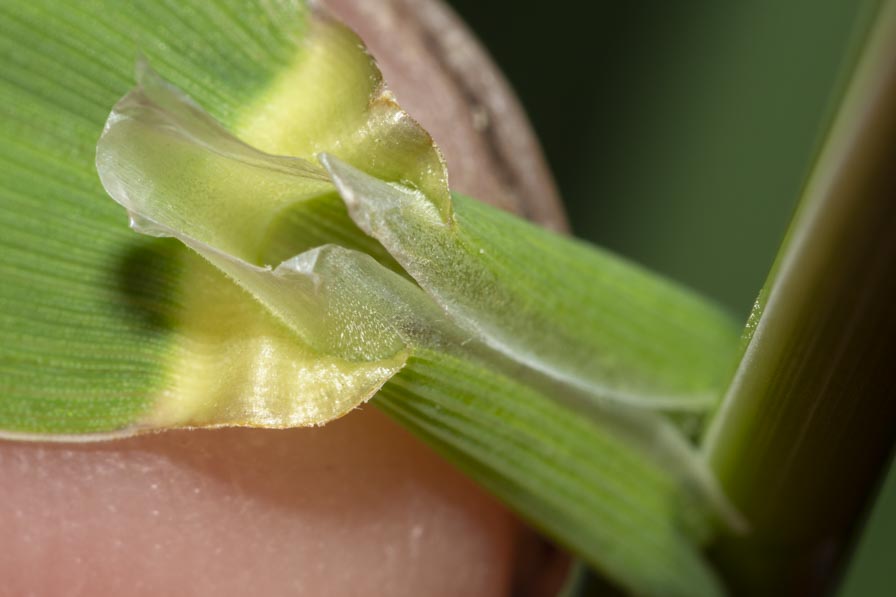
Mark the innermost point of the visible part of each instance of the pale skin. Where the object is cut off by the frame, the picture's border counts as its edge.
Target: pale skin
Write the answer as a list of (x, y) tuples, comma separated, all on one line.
[(358, 507)]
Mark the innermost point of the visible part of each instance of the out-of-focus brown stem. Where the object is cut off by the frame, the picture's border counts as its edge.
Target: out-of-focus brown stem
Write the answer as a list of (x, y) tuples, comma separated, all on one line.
[(444, 78)]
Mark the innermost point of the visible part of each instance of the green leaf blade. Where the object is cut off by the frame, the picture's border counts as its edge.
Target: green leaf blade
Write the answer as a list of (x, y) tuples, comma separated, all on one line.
[(581, 317), (142, 334), (610, 505)]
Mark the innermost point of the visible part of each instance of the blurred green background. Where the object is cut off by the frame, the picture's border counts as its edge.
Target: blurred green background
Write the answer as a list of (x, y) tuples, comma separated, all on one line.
[(681, 133)]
